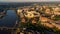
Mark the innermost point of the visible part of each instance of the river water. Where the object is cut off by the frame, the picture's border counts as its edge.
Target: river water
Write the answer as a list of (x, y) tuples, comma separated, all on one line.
[(8, 20)]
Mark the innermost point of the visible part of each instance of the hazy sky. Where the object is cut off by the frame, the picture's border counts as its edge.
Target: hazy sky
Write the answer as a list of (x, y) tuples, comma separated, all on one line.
[(27, 0)]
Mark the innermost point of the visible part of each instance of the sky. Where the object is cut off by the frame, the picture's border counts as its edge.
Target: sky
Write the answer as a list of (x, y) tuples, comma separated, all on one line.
[(27, 0)]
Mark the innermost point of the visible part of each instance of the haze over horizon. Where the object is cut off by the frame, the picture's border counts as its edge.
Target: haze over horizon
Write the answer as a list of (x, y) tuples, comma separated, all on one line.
[(29, 0)]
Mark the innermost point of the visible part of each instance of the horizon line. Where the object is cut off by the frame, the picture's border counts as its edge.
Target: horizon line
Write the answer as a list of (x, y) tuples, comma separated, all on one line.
[(48, 1)]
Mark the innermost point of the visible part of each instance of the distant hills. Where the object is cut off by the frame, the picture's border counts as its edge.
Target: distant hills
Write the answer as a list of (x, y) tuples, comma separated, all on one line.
[(14, 3)]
